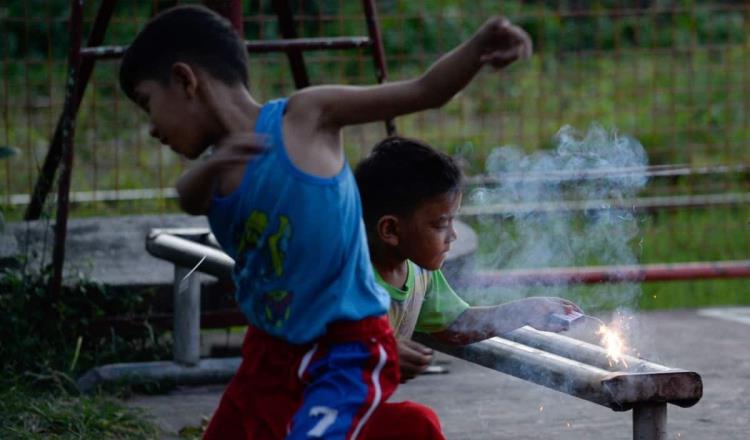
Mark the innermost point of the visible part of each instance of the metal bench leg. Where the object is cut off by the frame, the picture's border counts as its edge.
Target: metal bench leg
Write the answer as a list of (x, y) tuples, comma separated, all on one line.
[(650, 422), (187, 316)]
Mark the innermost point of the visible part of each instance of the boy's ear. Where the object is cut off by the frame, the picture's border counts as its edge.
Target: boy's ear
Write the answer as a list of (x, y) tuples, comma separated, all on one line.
[(185, 77), (388, 229)]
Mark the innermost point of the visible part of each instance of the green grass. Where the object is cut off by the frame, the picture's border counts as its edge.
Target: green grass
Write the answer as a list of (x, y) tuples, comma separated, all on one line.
[(29, 414), (687, 235)]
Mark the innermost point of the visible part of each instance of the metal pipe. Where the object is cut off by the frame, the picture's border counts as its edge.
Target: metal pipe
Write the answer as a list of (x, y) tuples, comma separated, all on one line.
[(54, 153), (581, 351), (333, 43), (671, 170), (511, 209), (378, 52), (68, 135), (296, 59), (160, 372), (307, 44), (188, 253), (546, 369), (618, 391), (650, 422), (187, 316), (612, 274)]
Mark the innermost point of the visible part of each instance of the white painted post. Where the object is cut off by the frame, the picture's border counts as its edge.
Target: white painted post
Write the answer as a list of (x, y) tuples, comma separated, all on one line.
[(650, 421), (187, 316)]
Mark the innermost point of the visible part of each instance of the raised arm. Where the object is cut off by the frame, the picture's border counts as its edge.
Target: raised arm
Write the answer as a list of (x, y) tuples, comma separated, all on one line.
[(497, 42), (479, 323)]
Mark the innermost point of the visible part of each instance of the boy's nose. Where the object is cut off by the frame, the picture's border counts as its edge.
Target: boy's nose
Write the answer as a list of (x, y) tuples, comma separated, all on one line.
[(452, 236)]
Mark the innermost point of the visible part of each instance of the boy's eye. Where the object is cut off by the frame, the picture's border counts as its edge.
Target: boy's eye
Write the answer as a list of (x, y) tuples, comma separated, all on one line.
[(442, 224)]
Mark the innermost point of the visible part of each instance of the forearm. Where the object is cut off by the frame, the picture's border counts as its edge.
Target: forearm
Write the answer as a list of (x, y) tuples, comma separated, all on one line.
[(450, 74), (348, 105), (195, 188), (497, 43), (479, 323)]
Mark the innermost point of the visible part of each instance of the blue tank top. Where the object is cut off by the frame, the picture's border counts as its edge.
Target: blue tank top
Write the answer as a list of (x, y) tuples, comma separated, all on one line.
[(298, 241)]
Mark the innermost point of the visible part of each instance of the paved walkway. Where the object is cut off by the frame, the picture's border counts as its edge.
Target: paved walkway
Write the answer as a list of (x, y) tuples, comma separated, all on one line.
[(477, 403)]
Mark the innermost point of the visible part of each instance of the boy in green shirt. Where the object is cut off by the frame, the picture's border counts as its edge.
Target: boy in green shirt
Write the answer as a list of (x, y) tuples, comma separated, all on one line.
[(410, 196)]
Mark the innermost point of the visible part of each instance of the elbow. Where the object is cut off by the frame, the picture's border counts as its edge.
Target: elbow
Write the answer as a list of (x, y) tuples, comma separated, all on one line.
[(188, 205), (189, 208)]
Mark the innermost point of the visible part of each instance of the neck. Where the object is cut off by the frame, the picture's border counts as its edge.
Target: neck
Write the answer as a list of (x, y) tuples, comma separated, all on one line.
[(392, 267), (233, 109), (238, 111)]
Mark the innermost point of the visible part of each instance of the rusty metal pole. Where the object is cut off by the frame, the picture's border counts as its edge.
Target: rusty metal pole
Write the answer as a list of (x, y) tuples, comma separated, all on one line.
[(378, 52), (650, 421), (68, 134), (231, 10), (54, 153), (613, 274), (296, 58)]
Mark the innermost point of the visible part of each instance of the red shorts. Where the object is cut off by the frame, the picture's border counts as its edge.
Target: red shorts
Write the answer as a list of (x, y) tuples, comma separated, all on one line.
[(333, 389)]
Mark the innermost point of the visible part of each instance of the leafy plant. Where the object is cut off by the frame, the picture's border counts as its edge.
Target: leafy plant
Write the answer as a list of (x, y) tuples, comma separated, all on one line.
[(43, 336), (6, 152)]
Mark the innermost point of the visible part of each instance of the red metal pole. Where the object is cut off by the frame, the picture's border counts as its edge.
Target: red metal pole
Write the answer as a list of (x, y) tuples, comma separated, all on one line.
[(378, 52), (232, 10), (54, 153), (296, 58), (68, 134), (612, 274)]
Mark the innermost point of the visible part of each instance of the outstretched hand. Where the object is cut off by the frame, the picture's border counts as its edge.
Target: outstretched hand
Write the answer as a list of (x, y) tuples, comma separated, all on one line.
[(413, 358), (536, 312), (503, 43)]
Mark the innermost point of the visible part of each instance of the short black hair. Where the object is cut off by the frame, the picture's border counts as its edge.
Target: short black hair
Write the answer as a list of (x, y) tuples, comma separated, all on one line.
[(400, 174), (192, 34)]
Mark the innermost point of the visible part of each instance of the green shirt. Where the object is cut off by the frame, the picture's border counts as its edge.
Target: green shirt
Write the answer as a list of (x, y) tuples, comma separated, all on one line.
[(426, 303)]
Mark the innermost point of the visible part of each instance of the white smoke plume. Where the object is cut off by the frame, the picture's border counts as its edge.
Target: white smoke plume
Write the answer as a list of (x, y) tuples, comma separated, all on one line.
[(561, 208)]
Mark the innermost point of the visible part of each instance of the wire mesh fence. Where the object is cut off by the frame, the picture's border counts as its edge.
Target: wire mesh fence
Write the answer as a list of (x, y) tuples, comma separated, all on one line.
[(668, 73)]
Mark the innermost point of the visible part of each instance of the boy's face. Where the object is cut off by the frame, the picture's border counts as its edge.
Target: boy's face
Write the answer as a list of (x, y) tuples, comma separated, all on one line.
[(428, 232), (173, 119)]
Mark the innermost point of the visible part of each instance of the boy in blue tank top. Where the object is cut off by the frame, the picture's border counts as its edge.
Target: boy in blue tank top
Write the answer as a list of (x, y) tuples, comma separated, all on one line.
[(410, 195), (319, 357)]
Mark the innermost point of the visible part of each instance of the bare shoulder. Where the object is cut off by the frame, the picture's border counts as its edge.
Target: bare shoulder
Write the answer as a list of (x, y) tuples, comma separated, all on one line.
[(313, 146)]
